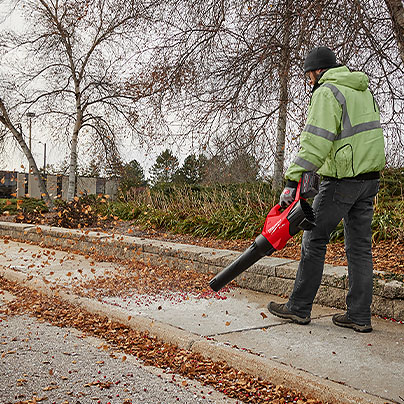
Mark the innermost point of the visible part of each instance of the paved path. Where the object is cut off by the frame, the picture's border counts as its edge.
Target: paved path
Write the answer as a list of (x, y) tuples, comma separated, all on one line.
[(236, 326)]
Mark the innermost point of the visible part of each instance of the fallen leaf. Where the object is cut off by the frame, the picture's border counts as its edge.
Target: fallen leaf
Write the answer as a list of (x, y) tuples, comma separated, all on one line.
[(49, 388)]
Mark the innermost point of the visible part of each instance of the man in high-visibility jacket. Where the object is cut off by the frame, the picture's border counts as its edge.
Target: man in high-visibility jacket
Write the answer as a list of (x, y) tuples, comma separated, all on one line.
[(343, 141)]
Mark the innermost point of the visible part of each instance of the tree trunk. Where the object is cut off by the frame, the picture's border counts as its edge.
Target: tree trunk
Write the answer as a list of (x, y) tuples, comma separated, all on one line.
[(5, 120), (71, 190), (73, 157), (284, 71), (281, 133), (396, 10)]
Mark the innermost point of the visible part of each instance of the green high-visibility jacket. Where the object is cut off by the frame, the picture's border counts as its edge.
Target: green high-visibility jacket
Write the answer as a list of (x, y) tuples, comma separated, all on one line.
[(342, 137)]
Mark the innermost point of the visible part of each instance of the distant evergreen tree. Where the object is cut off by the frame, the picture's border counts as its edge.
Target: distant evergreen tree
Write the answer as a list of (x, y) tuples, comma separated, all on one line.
[(243, 167), (132, 176), (93, 169), (165, 169), (192, 170), (113, 166), (215, 171)]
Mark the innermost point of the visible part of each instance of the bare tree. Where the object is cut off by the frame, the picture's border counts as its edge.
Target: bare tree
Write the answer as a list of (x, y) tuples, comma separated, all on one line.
[(6, 121), (77, 54), (230, 56), (234, 70), (231, 65)]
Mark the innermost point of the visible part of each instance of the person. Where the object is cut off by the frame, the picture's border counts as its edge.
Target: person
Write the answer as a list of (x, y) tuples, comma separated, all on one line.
[(342, 141)]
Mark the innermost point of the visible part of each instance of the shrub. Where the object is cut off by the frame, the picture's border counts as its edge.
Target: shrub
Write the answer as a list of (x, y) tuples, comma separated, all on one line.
[(238, 211)]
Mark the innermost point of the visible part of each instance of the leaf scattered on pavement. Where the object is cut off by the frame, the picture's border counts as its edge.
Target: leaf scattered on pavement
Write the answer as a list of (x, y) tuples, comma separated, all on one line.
[(150, 350)]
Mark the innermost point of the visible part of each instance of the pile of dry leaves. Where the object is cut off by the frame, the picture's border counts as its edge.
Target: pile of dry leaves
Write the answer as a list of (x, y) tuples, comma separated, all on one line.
[(76, 214), (79, 213)]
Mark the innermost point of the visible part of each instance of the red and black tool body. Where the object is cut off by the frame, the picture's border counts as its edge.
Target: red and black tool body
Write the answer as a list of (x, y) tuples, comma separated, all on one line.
[(280, 225)]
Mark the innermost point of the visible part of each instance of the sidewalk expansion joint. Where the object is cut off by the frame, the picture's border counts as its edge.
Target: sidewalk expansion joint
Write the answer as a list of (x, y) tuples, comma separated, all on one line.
[(240, 330), (263, 327)]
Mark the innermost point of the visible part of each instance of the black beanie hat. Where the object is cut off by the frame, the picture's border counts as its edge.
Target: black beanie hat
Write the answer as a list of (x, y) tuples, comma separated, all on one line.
[(320, 58)]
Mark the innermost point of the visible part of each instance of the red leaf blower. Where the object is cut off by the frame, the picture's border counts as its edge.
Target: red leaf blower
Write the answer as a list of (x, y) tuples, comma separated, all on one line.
[(279, 227)]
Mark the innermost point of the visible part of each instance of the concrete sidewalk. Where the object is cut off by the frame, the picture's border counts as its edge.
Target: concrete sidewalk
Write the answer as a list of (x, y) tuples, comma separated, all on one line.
[(269, 275), (323, 361)]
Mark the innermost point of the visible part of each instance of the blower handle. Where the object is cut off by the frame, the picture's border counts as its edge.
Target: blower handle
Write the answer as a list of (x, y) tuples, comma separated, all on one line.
[(309, 185), (278, 209)]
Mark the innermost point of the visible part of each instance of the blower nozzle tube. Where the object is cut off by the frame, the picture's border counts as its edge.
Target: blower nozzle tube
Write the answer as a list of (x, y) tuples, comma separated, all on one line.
[(258, 249)]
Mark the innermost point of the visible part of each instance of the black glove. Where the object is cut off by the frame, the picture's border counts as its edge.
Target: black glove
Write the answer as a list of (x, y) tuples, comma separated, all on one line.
[(288, 194)]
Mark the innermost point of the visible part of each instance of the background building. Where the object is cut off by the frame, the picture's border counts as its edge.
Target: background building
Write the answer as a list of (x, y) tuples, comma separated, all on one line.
[(18, 185)]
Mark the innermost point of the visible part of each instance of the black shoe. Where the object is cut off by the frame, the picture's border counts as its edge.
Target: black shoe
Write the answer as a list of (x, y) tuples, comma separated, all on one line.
[(342, 320), (280, 310)]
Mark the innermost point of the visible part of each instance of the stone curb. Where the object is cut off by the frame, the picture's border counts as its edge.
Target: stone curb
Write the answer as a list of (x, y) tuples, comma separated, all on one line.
[(310, 385), (270, 275)]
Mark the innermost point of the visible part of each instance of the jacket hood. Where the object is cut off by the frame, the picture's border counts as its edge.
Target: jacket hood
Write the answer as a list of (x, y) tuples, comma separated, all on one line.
[(344, 77)]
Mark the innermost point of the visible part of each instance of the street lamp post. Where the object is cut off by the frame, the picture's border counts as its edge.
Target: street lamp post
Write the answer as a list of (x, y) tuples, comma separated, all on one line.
[(30, 115), (44, 156), (44, 159)]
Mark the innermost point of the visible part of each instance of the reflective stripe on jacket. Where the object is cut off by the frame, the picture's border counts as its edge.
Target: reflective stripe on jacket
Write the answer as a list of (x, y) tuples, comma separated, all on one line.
[(342, 136)]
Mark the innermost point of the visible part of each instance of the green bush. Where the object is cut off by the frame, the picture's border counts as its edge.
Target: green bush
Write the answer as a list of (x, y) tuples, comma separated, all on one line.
[(391, 184)]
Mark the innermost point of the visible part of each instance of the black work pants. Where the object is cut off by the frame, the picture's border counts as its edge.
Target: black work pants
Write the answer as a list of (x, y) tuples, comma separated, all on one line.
[(352, 201)]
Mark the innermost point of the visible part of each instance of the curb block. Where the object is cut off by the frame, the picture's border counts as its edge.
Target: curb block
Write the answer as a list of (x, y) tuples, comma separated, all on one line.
[(270, 275), (278, 373)]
